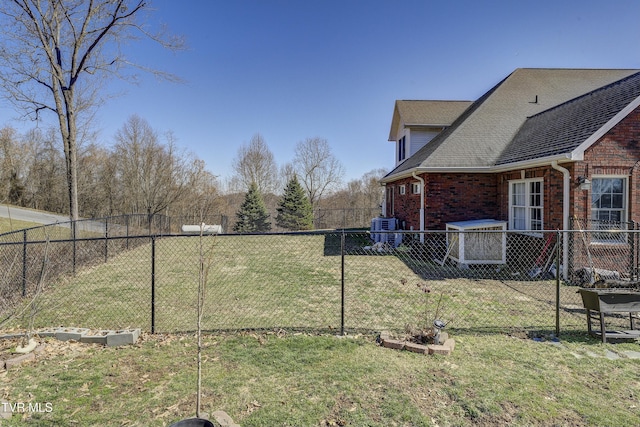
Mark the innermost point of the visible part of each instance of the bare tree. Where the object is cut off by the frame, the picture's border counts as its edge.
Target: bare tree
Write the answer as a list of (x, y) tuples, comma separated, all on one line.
[(287, 172), (95, 181), (54, 56), (45, 181), (318, 169), (255, 164), (11, 170), (153, 176), (201, 197), (373, 191)]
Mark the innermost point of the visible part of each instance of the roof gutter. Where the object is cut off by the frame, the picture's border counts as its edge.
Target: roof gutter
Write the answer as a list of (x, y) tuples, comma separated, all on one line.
[(422, 190), (566, 194), (544, 161)]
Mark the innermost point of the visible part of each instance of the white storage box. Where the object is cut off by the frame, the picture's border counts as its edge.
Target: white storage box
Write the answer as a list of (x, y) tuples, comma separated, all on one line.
[(481, 241)]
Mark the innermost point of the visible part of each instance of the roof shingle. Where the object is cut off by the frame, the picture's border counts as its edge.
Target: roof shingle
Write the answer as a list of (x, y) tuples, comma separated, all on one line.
[(480, 137), (563, 128)]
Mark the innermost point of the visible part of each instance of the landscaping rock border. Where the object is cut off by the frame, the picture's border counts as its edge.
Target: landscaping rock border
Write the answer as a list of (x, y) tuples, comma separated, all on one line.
[(21, 358), (445, 349), (108, 337)]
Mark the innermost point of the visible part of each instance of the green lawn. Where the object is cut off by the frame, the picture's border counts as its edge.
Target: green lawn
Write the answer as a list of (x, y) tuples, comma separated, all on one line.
[(266, 379), (7, 225), (290, 369), (291, 282)]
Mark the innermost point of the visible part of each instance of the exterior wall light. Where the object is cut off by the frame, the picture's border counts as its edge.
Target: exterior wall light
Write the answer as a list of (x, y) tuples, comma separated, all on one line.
[(584, 182)]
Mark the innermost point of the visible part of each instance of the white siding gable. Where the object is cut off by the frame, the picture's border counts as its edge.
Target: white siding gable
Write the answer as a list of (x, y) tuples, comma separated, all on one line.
[(420, 138)]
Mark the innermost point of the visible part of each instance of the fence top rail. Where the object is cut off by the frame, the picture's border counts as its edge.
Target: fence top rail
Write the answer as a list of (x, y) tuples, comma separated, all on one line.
[(143, 232)]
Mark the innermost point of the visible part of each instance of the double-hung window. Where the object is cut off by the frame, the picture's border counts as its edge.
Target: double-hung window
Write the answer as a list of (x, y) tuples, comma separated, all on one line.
[(402, 147), (609, 208), (525, 204)]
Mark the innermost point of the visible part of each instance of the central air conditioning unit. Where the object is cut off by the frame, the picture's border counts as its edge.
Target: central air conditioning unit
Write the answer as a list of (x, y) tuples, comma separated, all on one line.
[(385, 225)]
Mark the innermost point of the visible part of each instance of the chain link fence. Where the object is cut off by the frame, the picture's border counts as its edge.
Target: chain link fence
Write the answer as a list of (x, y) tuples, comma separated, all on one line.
[(334, 281)]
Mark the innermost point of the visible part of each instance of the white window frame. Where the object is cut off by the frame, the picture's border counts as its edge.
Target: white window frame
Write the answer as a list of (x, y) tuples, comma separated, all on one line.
[(402, 149), (526, 212), (415, 188), (402, 189), (609, 237)]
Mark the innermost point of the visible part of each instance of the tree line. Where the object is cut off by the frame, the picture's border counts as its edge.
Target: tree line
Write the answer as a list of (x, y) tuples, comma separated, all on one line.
[(144, 171)]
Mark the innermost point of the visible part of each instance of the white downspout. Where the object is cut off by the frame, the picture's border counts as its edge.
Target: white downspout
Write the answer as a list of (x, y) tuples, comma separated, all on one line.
[(421, 206), (566, 194), (384, 201)]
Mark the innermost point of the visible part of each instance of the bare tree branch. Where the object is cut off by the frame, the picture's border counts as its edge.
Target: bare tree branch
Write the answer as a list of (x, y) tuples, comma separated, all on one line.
[(319, 170), (56, 54)]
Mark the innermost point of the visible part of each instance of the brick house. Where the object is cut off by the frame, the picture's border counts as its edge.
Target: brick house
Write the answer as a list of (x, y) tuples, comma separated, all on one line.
[(540, 148)]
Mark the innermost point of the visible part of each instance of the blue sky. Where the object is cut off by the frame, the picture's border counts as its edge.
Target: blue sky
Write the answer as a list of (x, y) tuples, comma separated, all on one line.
[(295, 69)]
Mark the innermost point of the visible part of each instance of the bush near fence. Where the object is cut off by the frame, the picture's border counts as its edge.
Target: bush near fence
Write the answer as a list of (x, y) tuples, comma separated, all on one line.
[(333, 281)]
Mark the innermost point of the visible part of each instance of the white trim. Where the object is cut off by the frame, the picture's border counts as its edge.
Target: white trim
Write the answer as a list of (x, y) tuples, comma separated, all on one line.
[(625, 207), (576, 155), (416, 188), (527, 205), (402, 189), (566, 194), (579, 151)]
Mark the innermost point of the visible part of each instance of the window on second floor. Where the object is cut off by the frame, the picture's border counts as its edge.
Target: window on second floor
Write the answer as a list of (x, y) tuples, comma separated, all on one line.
[(415, 188), (526, 204), (402, 146), (402, 189)]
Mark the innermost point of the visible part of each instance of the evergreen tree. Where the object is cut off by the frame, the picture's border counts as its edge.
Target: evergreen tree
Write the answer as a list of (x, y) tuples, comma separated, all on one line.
[(294, 211), (252, 215)]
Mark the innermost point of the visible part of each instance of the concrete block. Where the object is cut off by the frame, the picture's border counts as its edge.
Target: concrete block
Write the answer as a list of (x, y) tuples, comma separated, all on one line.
[(11, 336), (416, 348), (443, 337), (123, 337), (385, 335), (67, 334), (395, 344), (95, 337), (46, 333), (439, 349), (450, 342)]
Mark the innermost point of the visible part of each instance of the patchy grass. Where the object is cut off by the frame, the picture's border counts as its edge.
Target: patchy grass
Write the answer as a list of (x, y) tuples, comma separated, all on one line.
[(282, 379), (289, 282), (7, 225)]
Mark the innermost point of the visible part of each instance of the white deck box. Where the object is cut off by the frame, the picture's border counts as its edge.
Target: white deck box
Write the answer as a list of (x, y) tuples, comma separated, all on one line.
[(481, 241)]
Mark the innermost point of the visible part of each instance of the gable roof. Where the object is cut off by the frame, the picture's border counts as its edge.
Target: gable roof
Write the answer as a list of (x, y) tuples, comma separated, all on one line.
[(563, 129), (425, 113), (478, 138)]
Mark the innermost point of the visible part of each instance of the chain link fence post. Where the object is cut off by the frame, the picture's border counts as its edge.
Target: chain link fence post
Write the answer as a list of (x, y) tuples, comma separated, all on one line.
[(106, 239), (558, 274), (153, 284), (342, 239), (24, 263)]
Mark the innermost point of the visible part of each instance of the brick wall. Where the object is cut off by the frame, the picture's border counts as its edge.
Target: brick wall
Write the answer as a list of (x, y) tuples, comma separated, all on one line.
[(448, 198), (552, 193), (616, 153)]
